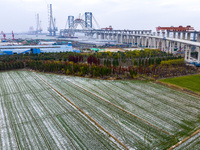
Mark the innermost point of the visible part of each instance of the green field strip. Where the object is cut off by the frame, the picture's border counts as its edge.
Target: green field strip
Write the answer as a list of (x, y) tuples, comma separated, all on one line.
[(191, 82)]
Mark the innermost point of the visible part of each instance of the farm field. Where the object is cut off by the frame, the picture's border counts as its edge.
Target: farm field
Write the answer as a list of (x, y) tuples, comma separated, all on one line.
[(191, 144), (33, 116), (191, 82), (42, 111)]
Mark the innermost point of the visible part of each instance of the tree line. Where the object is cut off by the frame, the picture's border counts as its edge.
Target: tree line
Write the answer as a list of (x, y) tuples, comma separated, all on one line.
[(146, 63)]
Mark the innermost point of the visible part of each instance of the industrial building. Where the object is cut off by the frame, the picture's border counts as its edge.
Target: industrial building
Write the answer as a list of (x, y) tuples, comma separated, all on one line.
[(36, 49)]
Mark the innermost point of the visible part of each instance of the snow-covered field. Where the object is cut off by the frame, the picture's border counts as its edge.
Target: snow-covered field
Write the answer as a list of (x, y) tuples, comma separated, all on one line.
[(33, 116), (141, 115)]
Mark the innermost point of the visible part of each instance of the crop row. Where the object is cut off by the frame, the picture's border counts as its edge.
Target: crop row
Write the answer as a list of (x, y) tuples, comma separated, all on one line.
[(193, 143), (166, 108), (35, 117), (133, 132)]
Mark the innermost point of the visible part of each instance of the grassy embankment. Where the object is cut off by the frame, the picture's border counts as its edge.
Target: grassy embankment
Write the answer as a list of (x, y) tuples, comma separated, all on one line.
[(191, 82)]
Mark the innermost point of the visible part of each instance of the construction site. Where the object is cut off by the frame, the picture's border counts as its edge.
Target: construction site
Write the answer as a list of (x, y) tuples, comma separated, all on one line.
[(84, 32)]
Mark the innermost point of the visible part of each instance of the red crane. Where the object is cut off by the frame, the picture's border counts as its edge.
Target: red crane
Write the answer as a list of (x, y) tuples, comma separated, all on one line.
[(4, 35), (107, 28), (13, 35), (175, 29)]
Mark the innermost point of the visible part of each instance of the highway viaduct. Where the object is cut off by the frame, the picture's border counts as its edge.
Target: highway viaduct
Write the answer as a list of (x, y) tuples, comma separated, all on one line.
[(146, 39)]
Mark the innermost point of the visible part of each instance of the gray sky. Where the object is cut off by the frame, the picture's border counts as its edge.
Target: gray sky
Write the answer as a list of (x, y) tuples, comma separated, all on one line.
[(19, 15)]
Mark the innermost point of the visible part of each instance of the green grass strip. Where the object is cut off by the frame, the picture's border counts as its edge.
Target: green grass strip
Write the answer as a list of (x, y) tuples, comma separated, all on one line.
[(191, 82)]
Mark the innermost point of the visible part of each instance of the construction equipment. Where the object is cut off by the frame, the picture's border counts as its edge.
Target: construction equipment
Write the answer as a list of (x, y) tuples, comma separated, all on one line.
[(13, 35), (107, 28), (52, 23), (38, 25), (175, 29), (4, 35)]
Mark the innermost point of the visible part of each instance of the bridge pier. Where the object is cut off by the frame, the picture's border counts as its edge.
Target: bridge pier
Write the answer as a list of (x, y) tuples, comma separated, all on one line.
[(109, 36), (167, 33), (179, 35), (137, 41), (154, 42), (102, 36), (163, 45), (150, 45), (168, 45), (198, 37), (188, 36), (158, 33), (120, 38), (174, 34), (97, 35), (188, 53), (105, 36), (157, 43), (163, 34), (178, 46), (183, 36), (146, 42)]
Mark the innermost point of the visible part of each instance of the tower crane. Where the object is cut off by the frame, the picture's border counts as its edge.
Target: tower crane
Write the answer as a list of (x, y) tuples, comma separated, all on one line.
[(13, 35), (4, 35)]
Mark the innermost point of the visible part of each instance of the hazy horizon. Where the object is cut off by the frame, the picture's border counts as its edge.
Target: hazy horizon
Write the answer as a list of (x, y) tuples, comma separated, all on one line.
[(19, 15)]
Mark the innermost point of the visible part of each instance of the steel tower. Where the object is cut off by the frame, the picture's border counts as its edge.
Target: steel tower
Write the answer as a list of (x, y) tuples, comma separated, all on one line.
[(52, 23), (71, 22), (38, 25), (88, 20)]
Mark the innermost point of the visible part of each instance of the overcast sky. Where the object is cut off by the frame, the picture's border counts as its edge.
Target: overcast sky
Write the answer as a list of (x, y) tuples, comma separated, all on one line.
[(19, 15)]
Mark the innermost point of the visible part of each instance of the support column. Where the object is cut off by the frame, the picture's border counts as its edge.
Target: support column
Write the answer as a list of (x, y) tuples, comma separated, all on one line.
[(157, 44), (142, 41), (174, 34), (186, 51), (178, 46), (109, 36), (127, 38), (134, 41), (138, 41), (189, 52), (118, 38), (149, 42), (198, 54), (130, 39), (163, 34), (102, 35), (121, 38), (163, 45), (154, 41), (115, 36), (173, 46), (182, 47), (168, 46), (97, 36), (105, 36), (158, 33), (167, 33), (198, 37), (179, 35), (145, 42), (183, 35), (188, 36)]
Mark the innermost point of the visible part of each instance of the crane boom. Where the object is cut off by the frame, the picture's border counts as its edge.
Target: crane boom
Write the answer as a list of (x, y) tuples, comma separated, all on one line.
[(175, 29)]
